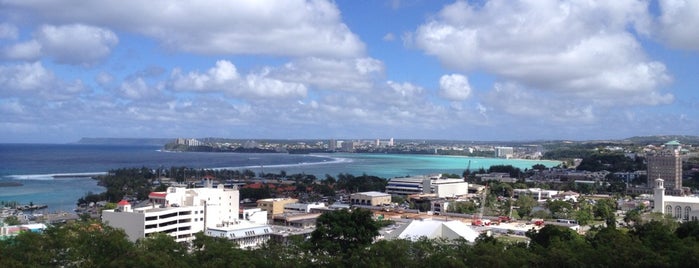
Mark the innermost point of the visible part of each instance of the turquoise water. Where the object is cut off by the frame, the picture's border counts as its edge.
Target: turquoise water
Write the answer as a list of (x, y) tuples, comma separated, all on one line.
[(392, 165), (34, 165)]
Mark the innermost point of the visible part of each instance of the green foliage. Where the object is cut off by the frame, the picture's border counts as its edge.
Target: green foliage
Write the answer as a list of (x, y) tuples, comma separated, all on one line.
[(11, 220), (605, 209), (612, 162), (658, 243), (364, 183), (341, 231), (463, 207), (525, 204), (509, 169), (559, 208)]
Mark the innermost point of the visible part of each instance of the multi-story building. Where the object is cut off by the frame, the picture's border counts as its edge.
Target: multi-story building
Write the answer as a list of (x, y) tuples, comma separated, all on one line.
[(274, 206), (433, 184), (178, 212), (504, 152), (370, 198), (666, 164)]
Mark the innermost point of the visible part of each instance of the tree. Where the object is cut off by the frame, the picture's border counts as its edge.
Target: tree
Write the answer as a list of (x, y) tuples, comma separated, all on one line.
[(633, 216), (559, 208), (525, 204), (584, 213), (341, 231), (12, 220), (604, 209)]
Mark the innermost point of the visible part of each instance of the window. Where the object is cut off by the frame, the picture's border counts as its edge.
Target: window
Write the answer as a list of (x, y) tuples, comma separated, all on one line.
[(678, 212), (668, 210), (687, 209)]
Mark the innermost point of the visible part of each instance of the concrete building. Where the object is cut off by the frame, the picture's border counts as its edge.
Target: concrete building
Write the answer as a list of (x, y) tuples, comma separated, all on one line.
[(274, 206), (666, 164), (504, 152), (178, 212), (370, 198), (496, 176), (301, 207), (537, 193), (432, 184), (247, 235), (679, 207)]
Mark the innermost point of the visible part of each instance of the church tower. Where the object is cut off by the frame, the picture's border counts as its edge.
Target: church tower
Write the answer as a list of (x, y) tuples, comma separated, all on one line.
[(658, 196)]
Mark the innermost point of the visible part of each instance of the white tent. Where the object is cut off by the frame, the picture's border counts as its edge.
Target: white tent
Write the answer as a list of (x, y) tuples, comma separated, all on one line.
[(434, 229)]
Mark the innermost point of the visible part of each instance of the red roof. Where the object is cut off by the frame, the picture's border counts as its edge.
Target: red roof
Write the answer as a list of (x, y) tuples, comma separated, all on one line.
[(157, 195), (123, 203)]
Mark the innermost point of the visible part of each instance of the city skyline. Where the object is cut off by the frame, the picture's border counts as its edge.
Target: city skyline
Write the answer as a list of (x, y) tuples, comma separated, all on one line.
[(492, 70)]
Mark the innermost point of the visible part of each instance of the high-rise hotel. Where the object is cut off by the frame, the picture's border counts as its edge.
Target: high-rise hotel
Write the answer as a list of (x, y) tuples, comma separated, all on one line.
[(666, 164)]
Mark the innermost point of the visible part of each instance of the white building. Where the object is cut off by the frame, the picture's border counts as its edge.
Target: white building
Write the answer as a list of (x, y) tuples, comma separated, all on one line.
[(679, 207), (246, 234), (432, 184), (537, 193), (504, 152), (302, 207), (178, 212)]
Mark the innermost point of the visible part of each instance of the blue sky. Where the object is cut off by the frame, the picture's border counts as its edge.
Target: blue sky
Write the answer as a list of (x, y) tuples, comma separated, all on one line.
[(466, 70)]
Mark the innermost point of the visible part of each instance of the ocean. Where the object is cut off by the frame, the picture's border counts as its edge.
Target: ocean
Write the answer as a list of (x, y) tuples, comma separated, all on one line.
[(56, 174)]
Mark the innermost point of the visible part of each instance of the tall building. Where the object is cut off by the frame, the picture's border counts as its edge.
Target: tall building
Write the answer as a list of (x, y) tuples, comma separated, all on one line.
[(666, 164), (178, 212), (504, 152)]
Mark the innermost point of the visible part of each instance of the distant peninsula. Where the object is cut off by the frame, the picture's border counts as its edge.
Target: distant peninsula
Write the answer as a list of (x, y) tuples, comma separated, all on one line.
[(125, 141)]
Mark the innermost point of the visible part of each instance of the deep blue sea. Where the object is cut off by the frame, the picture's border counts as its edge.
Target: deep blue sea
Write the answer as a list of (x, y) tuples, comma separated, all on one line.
[(35, 165)]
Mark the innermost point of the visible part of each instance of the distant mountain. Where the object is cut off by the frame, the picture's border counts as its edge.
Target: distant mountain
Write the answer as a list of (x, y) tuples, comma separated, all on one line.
[(126, 141), (660, 139)]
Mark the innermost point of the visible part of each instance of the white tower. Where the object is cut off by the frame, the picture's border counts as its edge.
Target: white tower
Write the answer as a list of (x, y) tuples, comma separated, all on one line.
[(658, 196)]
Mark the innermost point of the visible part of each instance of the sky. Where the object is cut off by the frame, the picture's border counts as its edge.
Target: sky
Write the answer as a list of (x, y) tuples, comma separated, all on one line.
[(408, 69)]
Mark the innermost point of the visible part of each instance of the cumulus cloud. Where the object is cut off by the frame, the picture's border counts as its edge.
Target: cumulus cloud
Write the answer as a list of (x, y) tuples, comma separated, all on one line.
[(76, 44), (224, 78), (389, 37), (678, 23), (8, 31), (288, 28), (139, 89), (220, 77), (514, 101), (332, 74), (32, 79), (454, 87), (575, 48), (29, 51)]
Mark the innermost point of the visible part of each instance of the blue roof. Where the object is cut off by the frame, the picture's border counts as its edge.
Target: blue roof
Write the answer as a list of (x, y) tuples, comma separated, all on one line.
[(673, 142)]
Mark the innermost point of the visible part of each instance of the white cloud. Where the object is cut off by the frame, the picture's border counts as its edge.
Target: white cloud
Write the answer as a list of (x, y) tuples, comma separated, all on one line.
[(29, 51), (138, 89), (389, 37), (76, 43), (224, 78), (8, 31), (259, 85), (332, 74), (577, 49), (288, 28), (454, 87), (32, 79), (104, 79), (220, 77), (678, 23), (519, 104)]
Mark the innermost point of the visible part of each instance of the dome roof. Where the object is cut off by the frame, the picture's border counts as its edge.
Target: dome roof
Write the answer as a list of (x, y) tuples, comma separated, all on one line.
[(123, 203)]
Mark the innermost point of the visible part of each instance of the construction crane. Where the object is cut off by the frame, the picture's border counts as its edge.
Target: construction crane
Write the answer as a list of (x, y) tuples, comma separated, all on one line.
[(478, 218)]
